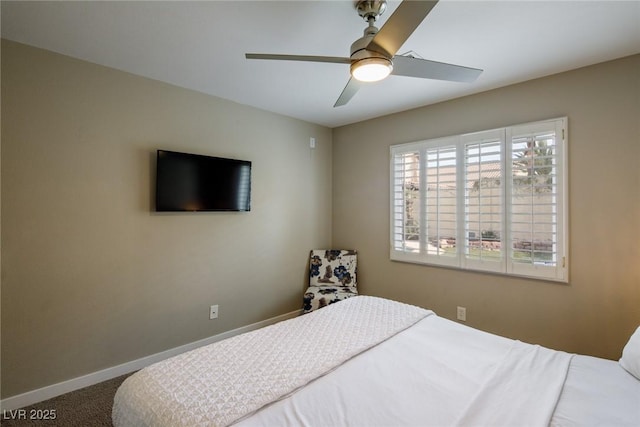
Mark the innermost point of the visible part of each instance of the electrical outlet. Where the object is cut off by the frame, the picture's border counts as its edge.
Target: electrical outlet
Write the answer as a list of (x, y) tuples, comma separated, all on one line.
[(213, 312), (312, 142), (462, 313)]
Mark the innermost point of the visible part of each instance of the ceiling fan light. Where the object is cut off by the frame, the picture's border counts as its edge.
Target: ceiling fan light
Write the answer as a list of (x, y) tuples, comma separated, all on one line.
[(371, 69)]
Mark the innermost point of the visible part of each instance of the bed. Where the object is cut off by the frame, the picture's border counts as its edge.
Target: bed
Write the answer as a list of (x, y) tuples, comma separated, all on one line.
[(368, 361)]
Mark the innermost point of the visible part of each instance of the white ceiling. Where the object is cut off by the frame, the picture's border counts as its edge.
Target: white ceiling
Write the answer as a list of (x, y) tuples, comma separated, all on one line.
[(201, 45)]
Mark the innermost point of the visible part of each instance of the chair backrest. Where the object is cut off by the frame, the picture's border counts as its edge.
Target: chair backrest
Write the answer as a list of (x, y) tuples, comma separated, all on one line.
[(333, 267)]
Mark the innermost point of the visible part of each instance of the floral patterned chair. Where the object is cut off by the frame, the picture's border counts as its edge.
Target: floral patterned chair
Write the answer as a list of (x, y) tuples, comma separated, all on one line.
[(332, 278)]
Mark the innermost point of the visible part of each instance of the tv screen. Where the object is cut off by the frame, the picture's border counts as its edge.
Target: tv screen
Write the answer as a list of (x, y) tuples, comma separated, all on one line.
[(191, 182)]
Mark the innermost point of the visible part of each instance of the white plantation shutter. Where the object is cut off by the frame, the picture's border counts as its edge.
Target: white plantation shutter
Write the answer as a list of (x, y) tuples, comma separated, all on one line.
[(483, 200), (440, 203), (405, 203), (423, 194), (536, 199), (491, 201)]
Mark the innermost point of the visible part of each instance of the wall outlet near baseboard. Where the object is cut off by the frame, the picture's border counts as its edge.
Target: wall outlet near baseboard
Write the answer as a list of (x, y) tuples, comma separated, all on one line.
[(213, 312), (462, 313)]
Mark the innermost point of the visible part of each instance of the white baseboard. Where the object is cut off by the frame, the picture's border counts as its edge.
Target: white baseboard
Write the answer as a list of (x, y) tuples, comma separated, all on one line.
[(48, 392)]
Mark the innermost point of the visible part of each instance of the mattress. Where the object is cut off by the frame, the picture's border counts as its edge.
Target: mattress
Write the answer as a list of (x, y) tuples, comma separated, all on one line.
[(424, 370)]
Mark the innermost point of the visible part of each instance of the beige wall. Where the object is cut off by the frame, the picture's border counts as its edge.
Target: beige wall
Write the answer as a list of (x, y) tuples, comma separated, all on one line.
[(600, 307), (91, 276)]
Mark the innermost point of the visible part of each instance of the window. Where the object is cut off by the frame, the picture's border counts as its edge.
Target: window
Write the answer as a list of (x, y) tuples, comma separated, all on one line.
[(488, 201)]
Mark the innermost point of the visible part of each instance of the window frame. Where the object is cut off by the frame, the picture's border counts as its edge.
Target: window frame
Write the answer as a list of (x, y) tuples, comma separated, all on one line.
[(557, 269)]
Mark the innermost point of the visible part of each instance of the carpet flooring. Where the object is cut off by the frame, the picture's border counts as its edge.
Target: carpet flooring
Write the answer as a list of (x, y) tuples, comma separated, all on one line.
[(87, 407)]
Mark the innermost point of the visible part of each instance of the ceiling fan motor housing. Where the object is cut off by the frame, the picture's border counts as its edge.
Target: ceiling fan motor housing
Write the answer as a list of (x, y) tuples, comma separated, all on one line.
[(359, 51), (361, 56)]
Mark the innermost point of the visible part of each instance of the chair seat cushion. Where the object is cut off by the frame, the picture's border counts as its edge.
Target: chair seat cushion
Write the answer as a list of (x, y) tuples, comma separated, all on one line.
[(319, 296)]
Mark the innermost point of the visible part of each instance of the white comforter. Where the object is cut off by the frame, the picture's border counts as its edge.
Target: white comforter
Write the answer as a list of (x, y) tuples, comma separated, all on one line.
[(434, 372)]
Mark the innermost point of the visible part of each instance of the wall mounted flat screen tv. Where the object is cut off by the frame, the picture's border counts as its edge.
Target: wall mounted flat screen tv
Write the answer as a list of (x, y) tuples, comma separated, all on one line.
[(191, 182)]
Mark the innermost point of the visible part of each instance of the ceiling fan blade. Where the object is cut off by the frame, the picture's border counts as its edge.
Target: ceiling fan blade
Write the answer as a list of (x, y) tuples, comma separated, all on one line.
[(347, 93), (309, 58), (400, 25), (423, 68)]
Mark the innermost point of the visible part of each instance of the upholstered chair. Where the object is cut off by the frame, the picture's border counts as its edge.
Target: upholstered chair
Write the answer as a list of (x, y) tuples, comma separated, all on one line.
[(332, 277)]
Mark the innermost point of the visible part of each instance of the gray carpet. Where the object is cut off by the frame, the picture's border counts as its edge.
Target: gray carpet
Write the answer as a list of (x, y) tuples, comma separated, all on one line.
[(90, 406)]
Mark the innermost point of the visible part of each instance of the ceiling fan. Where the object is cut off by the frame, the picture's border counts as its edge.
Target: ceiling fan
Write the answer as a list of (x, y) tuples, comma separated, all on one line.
[(373, 56)]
